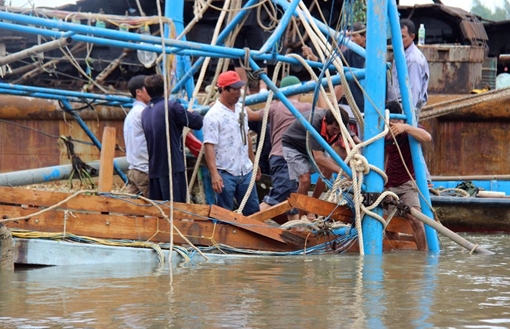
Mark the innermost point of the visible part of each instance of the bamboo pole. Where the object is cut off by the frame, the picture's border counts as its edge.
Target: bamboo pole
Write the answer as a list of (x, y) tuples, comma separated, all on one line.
[(32, 51)]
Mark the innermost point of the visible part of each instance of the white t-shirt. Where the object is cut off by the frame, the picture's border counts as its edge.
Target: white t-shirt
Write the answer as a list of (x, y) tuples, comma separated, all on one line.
[(134, 138), (222, 129)]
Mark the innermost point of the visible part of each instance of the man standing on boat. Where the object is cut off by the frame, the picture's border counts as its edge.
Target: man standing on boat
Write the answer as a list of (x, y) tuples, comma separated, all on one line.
[(280, 118), (134, 139), (400, 170), (228, 148), (418, 71), (417, 68), (294, 142), (155, 129)]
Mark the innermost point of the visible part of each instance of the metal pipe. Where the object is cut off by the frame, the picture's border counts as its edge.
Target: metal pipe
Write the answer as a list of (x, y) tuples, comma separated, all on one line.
[(68, 93), (449, 234), (49, 174), (62, 42), (470, 178), (187, 47), (376, 65), (282, 26), (67, 107), (416, 151)]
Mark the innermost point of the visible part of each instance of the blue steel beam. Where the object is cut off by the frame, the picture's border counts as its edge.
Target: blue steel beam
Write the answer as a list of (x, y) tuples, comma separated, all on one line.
[(68, 108), (196, 48), (375, 87), (326, 29), (66, 93), (175, 10), (416, 151)]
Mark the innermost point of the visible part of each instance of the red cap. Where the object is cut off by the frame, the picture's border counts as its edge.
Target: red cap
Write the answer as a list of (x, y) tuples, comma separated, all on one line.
[(230, 79)]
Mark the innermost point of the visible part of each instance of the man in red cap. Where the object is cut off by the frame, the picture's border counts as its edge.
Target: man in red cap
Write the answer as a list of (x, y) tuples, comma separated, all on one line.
[(228, 148)]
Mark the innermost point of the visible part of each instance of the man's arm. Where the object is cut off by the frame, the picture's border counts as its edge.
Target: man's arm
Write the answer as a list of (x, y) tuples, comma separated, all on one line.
[(190, 119), (254, 115), (414, 71), (210, 159), (325, 162), (251, 155), (420, 134)]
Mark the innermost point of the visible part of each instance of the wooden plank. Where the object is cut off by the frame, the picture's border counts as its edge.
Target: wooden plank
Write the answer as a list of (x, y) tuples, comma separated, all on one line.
[(106, 161), (105, 203), (321, 207), (120, 227), (272, 212), (342, 213), (246, 223)]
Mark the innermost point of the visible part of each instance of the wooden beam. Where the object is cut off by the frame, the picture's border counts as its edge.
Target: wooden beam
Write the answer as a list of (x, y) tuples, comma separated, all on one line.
[(321, 207), (272, 212), (93, 203), (106, 161), (136, 228), (246, 223)]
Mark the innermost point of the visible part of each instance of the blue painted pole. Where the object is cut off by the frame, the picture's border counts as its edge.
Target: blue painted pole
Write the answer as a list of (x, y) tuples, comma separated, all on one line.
[(326, 29), (374, 152), (66, 93), (68, 108), (195, 48), (282, 26), (302, 119), (416, 151), (175, 10)]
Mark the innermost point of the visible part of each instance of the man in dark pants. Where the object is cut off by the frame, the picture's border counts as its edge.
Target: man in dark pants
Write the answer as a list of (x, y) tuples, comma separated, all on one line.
[(155, 130)]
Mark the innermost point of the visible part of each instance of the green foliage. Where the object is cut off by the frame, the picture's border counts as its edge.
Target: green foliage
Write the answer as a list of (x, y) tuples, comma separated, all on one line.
[(499, 13)]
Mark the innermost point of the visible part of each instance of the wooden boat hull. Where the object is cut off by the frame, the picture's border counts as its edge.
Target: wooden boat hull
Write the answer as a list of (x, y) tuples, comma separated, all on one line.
[(112, 217)]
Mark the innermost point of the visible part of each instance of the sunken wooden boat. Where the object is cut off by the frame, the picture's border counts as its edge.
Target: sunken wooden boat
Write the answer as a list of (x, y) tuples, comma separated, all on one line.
[(112, 219)]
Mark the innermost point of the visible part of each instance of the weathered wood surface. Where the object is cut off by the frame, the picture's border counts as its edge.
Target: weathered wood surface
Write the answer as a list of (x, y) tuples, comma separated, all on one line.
[(111, 217)]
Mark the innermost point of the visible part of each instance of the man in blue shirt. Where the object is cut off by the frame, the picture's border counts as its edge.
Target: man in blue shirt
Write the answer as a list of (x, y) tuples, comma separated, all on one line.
[(155, 129)]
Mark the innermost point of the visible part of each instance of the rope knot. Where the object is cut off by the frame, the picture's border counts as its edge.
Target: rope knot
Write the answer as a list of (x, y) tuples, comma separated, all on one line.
[(360, 164)]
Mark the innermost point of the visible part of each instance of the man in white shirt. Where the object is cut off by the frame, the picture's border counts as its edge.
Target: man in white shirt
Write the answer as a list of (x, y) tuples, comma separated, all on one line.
[(228, 150), (134, 138)]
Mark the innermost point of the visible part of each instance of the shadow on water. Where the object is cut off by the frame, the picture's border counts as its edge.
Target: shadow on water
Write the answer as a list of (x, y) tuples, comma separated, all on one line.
[(395, 290)]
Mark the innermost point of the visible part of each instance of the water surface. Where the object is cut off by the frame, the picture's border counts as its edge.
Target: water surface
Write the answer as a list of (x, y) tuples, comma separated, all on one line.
[(397, 290)]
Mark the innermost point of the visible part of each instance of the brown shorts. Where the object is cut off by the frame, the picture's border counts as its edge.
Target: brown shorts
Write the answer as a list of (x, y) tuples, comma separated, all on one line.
[(407, 193), (138, 181)]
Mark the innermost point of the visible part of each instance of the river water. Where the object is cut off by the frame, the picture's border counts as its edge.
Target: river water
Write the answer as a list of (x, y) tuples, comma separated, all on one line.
[(452, 289)]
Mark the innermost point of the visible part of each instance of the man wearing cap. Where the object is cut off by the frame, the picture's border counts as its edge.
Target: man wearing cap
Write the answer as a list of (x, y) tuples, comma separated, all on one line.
[(280, 118), (155, 130), (228, 149)]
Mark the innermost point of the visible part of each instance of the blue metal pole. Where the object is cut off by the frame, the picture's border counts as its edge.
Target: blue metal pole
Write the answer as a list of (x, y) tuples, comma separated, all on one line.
[(282, 26), (325, 29), (210, 51), (376, 65), (302, 119), (416, 151), (66, 93), (68, 108), (174, 10)]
